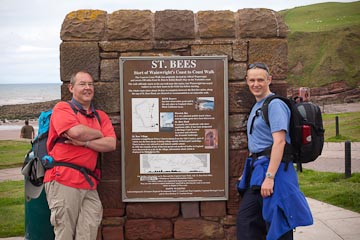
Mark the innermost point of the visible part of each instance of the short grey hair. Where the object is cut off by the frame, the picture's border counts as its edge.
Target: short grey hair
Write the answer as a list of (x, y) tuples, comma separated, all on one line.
[(73, 76)]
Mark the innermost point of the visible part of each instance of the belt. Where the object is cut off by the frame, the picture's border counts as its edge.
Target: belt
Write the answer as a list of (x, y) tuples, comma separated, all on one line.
[(264, 153), (287, 156)]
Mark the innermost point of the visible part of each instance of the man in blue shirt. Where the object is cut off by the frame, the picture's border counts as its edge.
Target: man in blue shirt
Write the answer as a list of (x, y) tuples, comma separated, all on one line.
[(272, 203)]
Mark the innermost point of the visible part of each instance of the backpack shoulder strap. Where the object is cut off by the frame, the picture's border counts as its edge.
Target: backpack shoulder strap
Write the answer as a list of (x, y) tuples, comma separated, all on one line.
[(265, 106), (98, 117), (288, 150), (77, 110)]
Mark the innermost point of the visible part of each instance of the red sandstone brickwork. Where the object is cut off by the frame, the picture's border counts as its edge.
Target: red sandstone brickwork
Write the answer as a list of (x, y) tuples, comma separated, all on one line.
[(94, 40)]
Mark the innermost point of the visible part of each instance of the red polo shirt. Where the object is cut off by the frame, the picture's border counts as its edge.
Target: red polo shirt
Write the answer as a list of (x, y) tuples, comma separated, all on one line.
[(62, 119)]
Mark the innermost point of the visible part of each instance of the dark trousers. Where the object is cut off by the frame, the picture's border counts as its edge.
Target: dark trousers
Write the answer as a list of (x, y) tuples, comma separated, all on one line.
[(250, 223)]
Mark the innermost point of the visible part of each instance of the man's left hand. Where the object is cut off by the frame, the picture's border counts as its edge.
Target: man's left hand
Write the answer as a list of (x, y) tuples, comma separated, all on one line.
[(267, 187), (73, 141)]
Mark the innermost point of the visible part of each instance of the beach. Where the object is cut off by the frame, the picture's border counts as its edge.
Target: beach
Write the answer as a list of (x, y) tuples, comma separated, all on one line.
[(10, 130)]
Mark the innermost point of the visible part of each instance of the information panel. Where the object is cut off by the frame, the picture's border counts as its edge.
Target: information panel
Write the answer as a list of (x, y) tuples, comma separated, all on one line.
[(174, 128)]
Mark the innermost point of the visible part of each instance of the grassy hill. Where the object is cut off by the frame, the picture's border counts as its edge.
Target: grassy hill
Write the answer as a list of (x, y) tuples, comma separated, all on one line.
[(322, 17), (324, 44)]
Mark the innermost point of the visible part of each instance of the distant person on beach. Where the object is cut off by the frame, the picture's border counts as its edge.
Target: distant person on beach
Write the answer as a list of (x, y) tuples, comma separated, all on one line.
[(27, 131), (77, 138)]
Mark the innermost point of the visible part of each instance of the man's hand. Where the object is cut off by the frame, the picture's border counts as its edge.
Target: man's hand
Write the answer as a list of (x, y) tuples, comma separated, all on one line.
[(267, 187), (73, 141)]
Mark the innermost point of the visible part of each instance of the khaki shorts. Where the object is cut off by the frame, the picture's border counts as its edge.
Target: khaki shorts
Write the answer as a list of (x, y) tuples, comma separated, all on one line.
[(75, 213)]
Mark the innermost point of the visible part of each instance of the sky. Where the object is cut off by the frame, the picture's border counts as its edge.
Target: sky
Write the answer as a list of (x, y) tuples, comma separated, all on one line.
[(30, 29)]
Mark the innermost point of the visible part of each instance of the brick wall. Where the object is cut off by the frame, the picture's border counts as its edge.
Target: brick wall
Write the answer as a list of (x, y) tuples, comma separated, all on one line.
[(94, 40)]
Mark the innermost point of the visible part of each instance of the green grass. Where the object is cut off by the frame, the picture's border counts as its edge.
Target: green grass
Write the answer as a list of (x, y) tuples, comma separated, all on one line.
[(320, 58), (349, 127), (322, 17), (11, 208), (324, 44), (12, 201), (12, 153), (332, 188)]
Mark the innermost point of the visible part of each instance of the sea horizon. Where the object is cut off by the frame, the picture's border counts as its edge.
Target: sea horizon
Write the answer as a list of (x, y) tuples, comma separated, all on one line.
[(25, 93)]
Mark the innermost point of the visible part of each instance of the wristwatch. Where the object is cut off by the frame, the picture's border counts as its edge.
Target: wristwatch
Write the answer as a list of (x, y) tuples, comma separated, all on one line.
[(269, 175)]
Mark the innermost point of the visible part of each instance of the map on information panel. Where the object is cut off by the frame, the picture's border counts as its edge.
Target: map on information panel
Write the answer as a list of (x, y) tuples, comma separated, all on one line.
[(145, 114)]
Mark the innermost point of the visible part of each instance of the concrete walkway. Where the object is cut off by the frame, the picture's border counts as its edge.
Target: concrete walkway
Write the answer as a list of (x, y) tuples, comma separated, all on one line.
[(332, 158), (330, 222)]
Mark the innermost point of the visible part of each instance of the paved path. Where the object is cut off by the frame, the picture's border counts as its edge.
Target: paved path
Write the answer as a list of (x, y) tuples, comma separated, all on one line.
[(330, 222), (340, 108), (13, 174), (332, 158)]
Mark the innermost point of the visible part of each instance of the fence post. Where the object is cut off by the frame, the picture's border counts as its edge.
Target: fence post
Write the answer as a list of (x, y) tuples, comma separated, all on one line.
[(337, 125), (347, 159)]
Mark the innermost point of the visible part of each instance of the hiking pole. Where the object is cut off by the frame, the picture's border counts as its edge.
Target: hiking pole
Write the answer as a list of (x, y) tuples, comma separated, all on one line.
[(347, 159)]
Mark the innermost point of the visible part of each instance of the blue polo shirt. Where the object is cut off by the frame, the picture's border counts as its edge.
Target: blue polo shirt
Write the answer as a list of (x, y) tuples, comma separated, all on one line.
[(279, 119)]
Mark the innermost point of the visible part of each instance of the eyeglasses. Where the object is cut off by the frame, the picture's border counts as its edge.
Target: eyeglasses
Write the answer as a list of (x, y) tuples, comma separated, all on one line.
[(84, 84), (259, 65)]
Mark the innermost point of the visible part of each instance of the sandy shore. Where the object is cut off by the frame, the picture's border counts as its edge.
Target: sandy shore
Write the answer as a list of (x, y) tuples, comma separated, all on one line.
[(11, 130), (11, 135)]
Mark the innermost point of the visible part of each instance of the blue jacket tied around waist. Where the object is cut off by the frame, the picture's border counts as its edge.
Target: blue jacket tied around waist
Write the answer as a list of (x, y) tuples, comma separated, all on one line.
[(287, 207)]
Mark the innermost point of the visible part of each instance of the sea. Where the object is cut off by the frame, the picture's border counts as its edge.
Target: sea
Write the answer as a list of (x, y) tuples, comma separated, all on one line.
[(29, 93), (23, 94)]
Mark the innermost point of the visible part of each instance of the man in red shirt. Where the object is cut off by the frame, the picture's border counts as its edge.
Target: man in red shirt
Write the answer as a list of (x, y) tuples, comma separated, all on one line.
[(76, 209)]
